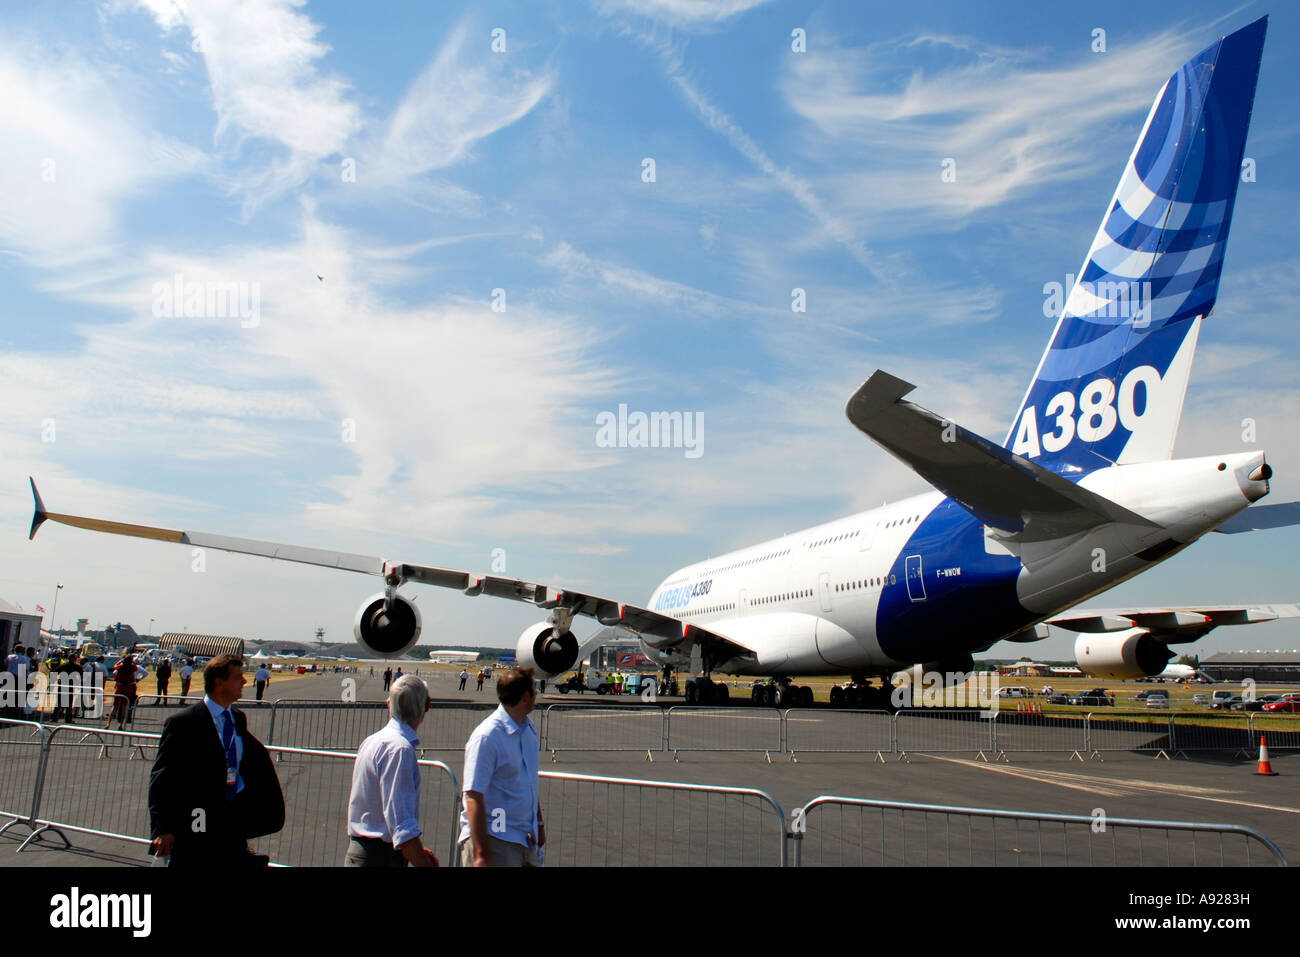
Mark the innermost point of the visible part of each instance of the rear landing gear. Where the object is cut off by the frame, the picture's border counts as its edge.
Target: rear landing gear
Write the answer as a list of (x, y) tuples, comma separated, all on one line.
[(857, 693), (706, 691), (782, 694)]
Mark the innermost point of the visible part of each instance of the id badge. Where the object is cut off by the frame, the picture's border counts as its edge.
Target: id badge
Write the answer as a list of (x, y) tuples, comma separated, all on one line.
[(231, 776)]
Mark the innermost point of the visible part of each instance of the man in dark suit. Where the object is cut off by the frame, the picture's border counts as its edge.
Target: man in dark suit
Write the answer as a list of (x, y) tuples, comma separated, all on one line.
[(213, 785)]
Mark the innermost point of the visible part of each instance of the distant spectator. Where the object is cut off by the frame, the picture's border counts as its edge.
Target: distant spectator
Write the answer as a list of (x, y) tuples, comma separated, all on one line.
[(187, 672), (164, 676), (16, 665), (123, 693), (261, 679), (464, 676), (481, 677)]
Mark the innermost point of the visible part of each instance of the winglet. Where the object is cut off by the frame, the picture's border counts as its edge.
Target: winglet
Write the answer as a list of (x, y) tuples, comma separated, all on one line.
[(40, 516)]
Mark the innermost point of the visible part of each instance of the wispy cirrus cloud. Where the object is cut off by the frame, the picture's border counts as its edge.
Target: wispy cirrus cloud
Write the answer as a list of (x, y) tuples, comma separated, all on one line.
[(686, 14), (60, 201), (1009, 125), (264, 73)]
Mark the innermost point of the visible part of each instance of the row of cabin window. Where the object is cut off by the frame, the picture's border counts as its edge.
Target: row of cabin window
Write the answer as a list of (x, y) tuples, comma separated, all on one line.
[(838, 538), (864, 583), (708, 611), (744, 564)]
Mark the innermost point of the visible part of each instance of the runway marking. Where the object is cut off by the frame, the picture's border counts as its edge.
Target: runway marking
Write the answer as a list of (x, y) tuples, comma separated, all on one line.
[(1117, 787)]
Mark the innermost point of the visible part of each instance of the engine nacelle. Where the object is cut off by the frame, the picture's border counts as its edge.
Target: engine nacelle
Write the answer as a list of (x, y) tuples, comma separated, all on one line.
[(1124, 654), (953, 670), (386, 628), (540, 647)]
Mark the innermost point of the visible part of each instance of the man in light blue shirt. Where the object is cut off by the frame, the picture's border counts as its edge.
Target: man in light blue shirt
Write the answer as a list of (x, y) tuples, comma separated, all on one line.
[(501, 825), (384, 807)]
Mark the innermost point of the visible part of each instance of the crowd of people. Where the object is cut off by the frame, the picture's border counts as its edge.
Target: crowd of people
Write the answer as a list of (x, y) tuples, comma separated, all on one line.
[(236, 793)]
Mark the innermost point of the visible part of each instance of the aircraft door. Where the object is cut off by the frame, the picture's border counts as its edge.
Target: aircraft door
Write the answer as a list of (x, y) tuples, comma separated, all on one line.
[(824, 589), (866, 536), (742, 601), (915, 584)]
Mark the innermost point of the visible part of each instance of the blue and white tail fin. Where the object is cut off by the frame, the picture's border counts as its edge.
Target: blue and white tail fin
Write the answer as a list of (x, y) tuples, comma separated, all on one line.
[(1110, 387)]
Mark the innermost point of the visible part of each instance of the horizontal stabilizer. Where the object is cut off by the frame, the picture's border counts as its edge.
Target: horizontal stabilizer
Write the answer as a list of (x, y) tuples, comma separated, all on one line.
[(1180, 623), (1259, 517), (1007, 492)]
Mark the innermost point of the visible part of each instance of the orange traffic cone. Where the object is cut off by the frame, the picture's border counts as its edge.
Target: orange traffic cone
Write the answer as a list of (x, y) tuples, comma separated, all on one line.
[(1264, 766)]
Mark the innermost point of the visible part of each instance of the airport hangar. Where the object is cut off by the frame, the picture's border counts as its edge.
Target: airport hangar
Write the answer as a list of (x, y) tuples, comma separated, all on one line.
[(1264, 667)]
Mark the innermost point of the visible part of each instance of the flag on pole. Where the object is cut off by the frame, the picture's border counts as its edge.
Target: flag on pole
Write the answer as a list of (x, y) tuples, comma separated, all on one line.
[(40, 609)]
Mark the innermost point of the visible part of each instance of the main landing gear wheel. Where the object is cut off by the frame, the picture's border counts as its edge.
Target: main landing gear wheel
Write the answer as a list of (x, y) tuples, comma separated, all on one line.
[(837, 697)]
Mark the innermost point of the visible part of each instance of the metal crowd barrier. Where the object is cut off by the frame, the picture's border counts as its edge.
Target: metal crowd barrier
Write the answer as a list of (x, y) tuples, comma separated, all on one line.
[(22, 747), (725, 729), (317, 785), (596, 821), (855, 831), (1282, 732), (839, 732), (582, 728), (1139, 731), (1037, 732), (101, 789), (937, 730), (330, 724), (1212, 731)]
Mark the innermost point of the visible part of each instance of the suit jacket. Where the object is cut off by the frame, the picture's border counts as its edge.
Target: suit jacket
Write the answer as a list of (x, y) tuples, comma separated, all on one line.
[(189, 775)]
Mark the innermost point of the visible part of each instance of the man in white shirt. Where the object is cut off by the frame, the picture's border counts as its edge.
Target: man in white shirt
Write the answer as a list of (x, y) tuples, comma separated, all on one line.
[(187, 673), (384, 806), (501, 825), (260, 679)]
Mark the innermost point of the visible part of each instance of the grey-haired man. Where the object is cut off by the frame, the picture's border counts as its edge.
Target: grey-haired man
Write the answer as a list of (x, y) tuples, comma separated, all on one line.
[(384, 806)]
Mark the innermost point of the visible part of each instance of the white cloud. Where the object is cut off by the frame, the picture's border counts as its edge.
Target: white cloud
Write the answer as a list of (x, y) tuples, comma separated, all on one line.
[(262, 60), (74, 154), (681, 13), (465, 94), (639, 284), (1012, 128)]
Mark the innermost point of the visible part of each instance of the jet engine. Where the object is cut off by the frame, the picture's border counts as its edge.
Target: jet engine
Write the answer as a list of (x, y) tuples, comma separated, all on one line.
[(387, 627), (1124, 654), (549, 651)]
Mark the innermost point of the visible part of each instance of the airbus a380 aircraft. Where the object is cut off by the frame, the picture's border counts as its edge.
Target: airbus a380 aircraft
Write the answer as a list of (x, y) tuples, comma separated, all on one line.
[(1083, 495)]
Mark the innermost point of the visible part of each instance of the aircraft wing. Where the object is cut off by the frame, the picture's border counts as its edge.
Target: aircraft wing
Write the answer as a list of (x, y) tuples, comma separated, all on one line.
[(1171, 623), (657, 630), (1010, 494)]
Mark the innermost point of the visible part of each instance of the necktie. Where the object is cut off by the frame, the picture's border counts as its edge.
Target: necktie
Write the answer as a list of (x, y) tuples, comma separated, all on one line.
[(232, 763)]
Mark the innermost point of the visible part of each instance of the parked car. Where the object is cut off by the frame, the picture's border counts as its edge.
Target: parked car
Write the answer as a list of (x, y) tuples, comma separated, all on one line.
[(1258, 704), (1157, 701), (1152, 693), (1200, 699), (1232, 703), (1097, 697), (1284, 705), (1058, 698), (1015, 691)]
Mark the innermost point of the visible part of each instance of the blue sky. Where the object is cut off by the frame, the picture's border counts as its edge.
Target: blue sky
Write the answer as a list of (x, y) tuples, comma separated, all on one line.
[(387, 408)]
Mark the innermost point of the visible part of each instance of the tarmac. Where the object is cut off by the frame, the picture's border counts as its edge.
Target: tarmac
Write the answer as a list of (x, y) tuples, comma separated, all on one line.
[(1214, 787)]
